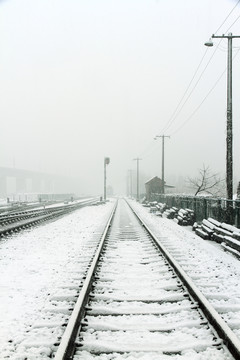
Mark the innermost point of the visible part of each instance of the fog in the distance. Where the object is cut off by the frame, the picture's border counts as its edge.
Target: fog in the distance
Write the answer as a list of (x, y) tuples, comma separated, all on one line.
[(81, 80)]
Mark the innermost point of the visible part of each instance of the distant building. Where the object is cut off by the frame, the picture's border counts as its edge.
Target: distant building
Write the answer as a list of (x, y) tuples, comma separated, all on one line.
[(19, 181), (154, 186)]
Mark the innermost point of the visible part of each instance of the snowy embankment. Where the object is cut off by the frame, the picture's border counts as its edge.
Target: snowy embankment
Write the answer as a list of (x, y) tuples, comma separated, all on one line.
[(33, 264), (215, 272)]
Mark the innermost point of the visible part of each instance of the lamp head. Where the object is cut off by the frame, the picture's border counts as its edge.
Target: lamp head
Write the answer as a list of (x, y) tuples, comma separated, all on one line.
[(209, 43)]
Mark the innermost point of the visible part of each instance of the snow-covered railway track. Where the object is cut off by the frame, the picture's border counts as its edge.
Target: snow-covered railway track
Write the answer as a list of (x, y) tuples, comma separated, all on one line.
[(137, 302), (15, 222)]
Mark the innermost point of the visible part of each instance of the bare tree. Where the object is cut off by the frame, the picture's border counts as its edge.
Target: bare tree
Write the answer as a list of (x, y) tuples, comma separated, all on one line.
[(207, 182)]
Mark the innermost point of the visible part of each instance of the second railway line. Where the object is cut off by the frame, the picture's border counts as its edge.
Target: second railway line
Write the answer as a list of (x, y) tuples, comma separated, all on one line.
[(18, 220)]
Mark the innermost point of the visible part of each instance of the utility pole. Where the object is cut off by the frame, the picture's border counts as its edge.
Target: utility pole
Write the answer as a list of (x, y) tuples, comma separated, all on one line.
[(229, 135), (163, 137), (137, 159)]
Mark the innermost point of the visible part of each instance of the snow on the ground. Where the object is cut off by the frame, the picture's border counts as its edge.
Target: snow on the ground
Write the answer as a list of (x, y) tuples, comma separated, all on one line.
[(60, 204), (34, 262), (67, 203), (215, 272), (133, 270)]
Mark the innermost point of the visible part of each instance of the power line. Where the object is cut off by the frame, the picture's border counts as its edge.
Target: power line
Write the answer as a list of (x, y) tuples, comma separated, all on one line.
[(233, 23), (178, 105), (227, 18), (204, 99), (177, 110), (194, 112), (191, 92), (175, 113)]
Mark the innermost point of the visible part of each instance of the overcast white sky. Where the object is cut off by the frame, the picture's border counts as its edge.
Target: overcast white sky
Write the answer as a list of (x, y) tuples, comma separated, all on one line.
[(84, 79)]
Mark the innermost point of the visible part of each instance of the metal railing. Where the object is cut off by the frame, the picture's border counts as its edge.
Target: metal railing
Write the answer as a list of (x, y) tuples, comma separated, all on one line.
[(204, 207)]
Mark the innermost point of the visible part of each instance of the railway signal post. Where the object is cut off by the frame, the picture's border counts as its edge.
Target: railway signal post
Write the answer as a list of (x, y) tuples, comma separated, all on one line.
[(106, 162)]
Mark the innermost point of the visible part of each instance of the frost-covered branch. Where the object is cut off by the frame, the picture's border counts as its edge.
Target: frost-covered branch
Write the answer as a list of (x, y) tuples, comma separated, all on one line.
[(206, 182)]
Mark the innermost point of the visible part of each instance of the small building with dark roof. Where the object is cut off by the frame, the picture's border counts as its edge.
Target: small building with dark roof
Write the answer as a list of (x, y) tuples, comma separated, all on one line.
[(154, 186)]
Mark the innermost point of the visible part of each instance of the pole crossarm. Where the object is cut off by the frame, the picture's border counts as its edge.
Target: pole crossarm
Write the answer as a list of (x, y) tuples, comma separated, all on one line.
[(229, 36), (162, 136)]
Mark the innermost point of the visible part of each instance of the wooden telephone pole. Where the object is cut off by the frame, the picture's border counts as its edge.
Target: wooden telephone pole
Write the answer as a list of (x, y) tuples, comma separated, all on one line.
[(163, 137), (229, 135)]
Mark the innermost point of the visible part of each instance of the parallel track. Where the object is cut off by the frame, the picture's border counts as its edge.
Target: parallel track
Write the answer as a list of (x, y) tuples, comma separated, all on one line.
[(10, 223), (137, 301)]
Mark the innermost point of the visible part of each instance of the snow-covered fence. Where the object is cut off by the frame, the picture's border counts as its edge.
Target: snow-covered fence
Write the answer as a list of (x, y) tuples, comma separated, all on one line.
[(203, 207)]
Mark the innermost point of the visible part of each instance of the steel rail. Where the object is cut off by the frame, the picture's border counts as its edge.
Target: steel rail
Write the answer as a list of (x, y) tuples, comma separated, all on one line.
[(225, 333), (66, 348), (40, 208), (33, 218)]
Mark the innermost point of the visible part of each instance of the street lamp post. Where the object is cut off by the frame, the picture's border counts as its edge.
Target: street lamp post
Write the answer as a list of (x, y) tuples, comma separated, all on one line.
[(229, 135)]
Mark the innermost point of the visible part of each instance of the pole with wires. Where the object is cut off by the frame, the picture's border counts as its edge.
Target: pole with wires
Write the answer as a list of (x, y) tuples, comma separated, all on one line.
[(163, 180), (229, 136)]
